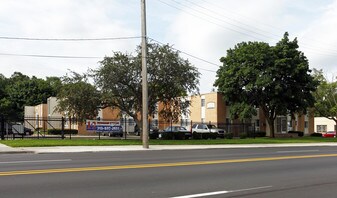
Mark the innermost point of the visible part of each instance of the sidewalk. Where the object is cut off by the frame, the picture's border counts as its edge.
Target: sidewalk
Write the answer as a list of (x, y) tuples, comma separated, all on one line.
[(80, 149), (9, 150)]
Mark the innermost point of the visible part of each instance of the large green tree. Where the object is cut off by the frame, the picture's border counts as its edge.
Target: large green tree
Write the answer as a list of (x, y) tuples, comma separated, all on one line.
[(326, 97), (20, 90), (170, 79), (274, 78), (78, 98)]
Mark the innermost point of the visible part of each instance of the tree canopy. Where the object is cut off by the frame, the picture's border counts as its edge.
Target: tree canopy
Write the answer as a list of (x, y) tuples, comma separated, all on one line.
[(326, 97), (170, 79), (274, 78), (78, 98), (21, 90)]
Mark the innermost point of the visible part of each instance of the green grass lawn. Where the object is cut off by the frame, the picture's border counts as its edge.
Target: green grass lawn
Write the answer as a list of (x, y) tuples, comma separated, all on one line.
[(115, 142)]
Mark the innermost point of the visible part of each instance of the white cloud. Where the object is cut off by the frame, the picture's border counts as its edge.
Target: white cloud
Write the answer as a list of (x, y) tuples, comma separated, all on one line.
[(209, 34), (204, 28), (61, 19)]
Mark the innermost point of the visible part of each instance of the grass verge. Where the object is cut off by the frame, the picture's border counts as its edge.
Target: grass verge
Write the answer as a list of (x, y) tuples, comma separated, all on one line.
[(118, 142)]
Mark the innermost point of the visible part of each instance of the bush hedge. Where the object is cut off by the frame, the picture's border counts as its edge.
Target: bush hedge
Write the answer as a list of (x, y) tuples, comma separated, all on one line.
[(198, 136), (260, 134), (154, 135), (228, 135), (173, 136), (59, 131), (316, 135), (299, 133)]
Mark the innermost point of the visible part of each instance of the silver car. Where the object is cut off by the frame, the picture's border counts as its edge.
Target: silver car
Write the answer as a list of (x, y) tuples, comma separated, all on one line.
[(207, 128)]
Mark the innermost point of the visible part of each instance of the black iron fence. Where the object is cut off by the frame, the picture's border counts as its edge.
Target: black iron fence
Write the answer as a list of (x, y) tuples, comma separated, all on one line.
[(68, 127)]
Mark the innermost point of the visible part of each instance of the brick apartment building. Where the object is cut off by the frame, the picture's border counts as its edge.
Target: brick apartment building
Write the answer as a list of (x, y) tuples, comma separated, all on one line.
[(206, 108)]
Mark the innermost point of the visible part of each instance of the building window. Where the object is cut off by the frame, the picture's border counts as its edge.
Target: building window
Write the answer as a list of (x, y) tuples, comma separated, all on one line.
[(306, 124), (211, 105), (257, 123), (202, 102), (131, 122), (321, 128)]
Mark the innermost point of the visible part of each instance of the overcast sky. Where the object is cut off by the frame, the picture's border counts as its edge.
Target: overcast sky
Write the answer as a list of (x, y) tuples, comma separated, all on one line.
[(202, 28)]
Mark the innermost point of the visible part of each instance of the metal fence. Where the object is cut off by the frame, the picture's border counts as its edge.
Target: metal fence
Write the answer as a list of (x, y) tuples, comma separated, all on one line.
[(63, 127)]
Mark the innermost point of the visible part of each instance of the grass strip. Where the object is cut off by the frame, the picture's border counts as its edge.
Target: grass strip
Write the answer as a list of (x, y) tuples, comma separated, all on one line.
[(119, 142)]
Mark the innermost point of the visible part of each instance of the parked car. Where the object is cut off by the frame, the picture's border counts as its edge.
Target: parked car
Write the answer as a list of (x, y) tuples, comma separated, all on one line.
[(152, 130), (28, 131), (208, 128), (18, 129), (116, 130), (329, 134), (178, 129)]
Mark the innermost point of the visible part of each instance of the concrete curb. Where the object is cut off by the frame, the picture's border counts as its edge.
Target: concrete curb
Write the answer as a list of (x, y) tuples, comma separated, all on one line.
[(93, 149)]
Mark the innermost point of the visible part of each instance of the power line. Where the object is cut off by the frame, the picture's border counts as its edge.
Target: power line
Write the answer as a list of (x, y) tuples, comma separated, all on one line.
[(69, 39), (222, 20), (51, 56), (209, 21), (318, 51), (188, 54)]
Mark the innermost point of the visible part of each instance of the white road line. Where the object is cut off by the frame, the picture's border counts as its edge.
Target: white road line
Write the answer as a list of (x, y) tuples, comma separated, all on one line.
[(298, 151), (220, 192), (36, 161)]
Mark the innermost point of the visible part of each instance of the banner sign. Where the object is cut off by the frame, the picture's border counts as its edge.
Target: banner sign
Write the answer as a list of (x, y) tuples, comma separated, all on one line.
[(103, 126)]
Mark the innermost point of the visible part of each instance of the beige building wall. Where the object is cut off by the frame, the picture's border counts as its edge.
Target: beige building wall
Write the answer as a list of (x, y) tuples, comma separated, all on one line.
[(209, 107), (29, 111), (195, 108), (323, 124), (52, 103)]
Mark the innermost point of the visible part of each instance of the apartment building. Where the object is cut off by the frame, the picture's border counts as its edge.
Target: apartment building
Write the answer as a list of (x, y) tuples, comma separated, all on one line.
[(211, 107), (205, 108)]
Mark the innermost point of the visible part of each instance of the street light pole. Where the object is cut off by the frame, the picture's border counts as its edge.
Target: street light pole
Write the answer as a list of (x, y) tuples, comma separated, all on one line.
[(145, 130)]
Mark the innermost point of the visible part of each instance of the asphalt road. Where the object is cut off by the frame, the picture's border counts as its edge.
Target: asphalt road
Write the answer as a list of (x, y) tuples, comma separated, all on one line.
[(259, 172)]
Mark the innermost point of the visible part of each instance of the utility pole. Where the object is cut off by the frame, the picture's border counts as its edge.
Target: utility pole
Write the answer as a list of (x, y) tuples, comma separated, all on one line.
[(145, 130)]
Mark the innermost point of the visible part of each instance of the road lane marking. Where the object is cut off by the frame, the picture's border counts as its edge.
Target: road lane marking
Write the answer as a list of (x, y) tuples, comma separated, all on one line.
[(220, 192), (35, 161), (174, 164), (298, 151)]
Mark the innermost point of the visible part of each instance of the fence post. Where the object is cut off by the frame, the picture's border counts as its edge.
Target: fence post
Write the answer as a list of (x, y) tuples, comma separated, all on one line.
[(2, 127), (62, 130), (210, 124), (38, 130), (70, 122), (191, 125)]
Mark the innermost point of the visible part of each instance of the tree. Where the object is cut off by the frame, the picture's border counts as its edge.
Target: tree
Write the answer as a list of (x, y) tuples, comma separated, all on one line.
[(55, 84), (78, 98), (275, 79), (21, 90), (3, 94), (326, 97), (170, 79)]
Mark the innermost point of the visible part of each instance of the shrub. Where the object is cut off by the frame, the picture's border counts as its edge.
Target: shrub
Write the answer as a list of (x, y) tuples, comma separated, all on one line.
[(173, 135), (316, 135), (228, 135), (167, 136), (179, 135), (198, 136), (243, 136), (259, 134), (153, 135), (59, 131), (299, 133)]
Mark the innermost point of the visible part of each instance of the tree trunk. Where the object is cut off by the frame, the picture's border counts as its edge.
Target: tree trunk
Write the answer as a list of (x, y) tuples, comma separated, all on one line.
[(271, 127)]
